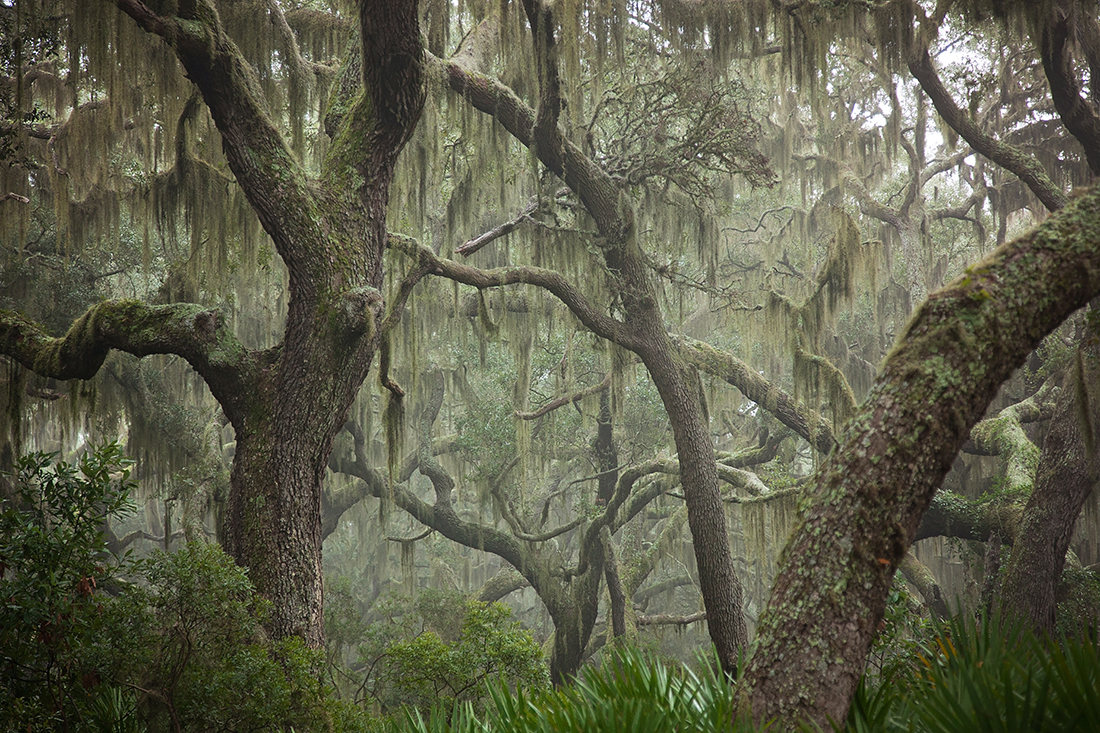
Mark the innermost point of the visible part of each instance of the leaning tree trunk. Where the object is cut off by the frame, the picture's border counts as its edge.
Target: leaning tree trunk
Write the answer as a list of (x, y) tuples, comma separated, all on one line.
[(681, 393), (962, 343), (1069, 467)]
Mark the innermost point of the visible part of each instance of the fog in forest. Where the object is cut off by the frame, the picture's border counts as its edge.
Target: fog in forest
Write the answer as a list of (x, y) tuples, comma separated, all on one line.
[(417, 309)]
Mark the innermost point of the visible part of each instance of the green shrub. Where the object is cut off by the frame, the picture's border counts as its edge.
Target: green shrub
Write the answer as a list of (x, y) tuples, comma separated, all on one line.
[(988, 678), (53, 559), (180, 647), (430, 669), (440, 649), (191, 638), (631, 692)]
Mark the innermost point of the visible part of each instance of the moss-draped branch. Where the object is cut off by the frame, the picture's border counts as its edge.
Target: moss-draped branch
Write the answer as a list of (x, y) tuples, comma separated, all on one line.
[(259, 157), (550, 280), (1011, 158), (199, 335), (807, 424)]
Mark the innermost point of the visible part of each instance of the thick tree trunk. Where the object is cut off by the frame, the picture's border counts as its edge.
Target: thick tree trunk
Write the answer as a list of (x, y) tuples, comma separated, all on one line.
[(1069, 468), (959, 347), (273, 529), (283, 445), (286, 403), (574, 617)]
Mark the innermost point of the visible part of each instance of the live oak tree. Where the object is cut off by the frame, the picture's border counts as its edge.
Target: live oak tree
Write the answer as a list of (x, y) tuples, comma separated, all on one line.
[(286, 403), (287, 400)]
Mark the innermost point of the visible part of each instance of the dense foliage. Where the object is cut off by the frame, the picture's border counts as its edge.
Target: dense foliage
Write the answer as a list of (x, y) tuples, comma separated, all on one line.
[(437, 650), (967, 676), (53, 565), (170, 642)]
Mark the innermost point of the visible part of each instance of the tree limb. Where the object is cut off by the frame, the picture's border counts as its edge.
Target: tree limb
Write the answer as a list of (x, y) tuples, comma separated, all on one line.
[(198, 334), (253, 146), (1012, 159), (667, 619), (1076, 113), (957, 350), (566, 399), (811, 427), (551, 280)]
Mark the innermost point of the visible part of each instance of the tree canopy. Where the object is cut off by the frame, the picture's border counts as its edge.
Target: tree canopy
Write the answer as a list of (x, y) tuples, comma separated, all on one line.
[(604, 299)]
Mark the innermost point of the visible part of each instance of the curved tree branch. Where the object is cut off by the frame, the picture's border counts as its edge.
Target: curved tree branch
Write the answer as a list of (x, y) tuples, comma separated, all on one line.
[(1076, 113), (811, 427), (1012, 159), (200, 335), (566, 399), (253, 145), (551, 280)]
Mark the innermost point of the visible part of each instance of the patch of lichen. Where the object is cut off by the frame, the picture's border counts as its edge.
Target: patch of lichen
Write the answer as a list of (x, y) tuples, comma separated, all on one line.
[(349, 150)]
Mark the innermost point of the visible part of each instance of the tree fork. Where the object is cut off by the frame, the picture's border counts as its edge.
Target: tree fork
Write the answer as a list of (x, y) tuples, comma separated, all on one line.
[(331, 237)]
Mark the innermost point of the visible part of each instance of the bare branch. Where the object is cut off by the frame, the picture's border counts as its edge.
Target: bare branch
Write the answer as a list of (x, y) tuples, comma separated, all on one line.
[(473, 245), (666, 619), (405, 540), (1009, 157), (565, 400), (1076, 113)]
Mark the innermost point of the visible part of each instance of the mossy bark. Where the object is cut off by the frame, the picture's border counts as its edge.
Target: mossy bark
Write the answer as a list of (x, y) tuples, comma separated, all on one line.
[(1069, 468), (960, 345)]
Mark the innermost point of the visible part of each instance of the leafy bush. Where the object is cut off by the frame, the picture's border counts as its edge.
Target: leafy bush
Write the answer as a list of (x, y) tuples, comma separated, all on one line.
[(430, 668), (180, 647), (440, 649), (53, 559), (632, 691), (192, 640)]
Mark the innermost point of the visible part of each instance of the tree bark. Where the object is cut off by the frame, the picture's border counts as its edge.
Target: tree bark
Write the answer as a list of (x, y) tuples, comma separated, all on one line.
[(962, 343), (925, 583), (1068, 472)]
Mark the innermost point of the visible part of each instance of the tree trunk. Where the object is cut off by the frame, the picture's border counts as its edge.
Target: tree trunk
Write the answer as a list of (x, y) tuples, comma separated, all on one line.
[(681, 393), (287, 403), (1068, 471)]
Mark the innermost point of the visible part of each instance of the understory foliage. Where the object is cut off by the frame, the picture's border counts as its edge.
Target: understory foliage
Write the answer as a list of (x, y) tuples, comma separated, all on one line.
[(968, 676), (440, 649), (631, 691), (52, 560), (175, 642), (987, 676), (170, 642)]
